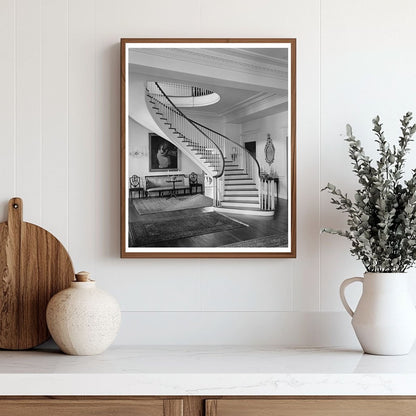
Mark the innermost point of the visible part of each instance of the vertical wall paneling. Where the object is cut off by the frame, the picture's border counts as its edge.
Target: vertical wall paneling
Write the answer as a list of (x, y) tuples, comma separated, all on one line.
[(109, 21), (28, 108), (7, 104), (54, 120), (59, 150), (81, 146)]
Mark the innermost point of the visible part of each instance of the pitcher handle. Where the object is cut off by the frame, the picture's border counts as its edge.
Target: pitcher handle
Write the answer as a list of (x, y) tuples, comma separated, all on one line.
[(342, 288)]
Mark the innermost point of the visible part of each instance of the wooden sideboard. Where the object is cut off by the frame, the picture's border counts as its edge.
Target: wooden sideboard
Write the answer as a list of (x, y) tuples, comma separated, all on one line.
[(207, 406)]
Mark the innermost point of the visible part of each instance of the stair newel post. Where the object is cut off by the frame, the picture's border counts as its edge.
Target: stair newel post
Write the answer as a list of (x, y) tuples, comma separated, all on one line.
[(219, 192), (261, 193), (215, 192), (267, 195)]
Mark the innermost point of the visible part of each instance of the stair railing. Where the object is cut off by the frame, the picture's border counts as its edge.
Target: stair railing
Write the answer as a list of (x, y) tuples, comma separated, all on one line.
[(174, 90), (189, 133), (236, 153), (204, 136)]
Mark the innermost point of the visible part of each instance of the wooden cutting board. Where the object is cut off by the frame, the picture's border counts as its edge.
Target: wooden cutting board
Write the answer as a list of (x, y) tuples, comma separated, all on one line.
[(34, 266)]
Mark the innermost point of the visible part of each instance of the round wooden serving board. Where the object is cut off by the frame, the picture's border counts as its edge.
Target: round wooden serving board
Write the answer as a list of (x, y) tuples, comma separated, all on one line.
[(34, 266)]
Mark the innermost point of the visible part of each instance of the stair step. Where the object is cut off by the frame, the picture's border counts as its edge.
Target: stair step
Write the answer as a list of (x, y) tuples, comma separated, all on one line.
[(241, 193), (194, 149), (229, 176), (242, 204), (238, 178), (246, 211), (238, 183), (241, 189), (241, 198), (208, 157), (227, 169)]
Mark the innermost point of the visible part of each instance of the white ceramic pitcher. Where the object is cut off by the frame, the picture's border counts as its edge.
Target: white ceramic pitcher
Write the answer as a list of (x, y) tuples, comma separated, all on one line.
[(385, 318)]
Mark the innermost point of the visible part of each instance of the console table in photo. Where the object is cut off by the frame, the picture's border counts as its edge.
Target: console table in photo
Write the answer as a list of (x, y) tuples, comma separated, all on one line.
[(173, 180)]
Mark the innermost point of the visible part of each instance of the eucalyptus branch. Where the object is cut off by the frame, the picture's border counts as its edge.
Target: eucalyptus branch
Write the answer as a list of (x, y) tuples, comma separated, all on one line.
[(382, 215)]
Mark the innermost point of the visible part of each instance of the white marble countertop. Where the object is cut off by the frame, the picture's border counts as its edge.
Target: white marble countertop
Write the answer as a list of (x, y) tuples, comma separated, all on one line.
[(179, 370)]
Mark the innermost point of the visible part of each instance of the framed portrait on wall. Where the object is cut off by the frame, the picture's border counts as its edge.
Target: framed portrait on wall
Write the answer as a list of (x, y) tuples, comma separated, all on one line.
[(196, 115), (163, 155)]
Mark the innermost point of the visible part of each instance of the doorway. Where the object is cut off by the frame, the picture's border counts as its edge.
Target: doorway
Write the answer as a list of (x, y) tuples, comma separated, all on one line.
[(251, 147)]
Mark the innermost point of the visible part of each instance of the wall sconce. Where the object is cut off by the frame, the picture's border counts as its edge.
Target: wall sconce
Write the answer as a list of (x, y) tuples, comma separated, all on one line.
[(138, 153)]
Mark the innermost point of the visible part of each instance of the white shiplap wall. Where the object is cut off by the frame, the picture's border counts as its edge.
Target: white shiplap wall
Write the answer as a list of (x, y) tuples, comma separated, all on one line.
[(59, 150)]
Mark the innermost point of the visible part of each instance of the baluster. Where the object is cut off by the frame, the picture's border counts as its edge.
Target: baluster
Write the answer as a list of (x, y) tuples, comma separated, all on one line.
[(266, 196), (261, 194)]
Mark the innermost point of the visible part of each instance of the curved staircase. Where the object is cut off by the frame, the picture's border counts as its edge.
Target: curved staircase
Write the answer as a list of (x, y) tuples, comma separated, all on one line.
[(238, 184)]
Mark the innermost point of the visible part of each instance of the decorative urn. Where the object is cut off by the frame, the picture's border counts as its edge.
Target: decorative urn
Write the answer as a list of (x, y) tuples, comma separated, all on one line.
[(83, 320)]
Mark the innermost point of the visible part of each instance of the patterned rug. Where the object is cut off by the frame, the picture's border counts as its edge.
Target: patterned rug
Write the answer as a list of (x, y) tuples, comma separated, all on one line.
[(150, 233), (268, 241), (161, 204)]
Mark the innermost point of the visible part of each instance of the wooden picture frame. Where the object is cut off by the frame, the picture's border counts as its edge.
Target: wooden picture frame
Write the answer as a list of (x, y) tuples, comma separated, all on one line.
[(208, 97)]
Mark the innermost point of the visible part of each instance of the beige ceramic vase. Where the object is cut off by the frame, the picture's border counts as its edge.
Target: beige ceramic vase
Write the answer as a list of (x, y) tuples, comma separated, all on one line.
[(82, 319)]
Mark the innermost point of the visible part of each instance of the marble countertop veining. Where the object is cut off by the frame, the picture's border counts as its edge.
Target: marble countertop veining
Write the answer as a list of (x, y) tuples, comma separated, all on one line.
[(207, 370)]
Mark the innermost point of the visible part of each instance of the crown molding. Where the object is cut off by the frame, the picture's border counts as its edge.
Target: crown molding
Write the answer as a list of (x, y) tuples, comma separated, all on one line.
[(247, 103), (225, 58), (273, 103)]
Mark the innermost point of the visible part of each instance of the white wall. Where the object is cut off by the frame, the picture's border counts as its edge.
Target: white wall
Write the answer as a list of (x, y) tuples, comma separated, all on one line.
[(59, 118), (257, 130)]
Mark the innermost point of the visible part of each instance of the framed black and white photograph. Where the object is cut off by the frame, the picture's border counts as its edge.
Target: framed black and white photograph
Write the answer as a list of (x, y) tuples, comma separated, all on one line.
[(208, 133)]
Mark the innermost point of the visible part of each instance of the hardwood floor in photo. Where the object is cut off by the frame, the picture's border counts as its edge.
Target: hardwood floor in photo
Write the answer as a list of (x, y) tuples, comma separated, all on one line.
[(203, 227)]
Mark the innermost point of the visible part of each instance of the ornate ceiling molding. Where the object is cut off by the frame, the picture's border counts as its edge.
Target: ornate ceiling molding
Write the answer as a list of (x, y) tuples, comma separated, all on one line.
[(248, 102), (257, 108), (221, 58)]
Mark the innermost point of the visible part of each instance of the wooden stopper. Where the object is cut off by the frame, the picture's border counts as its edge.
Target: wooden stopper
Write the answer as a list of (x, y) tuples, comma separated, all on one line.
[(82, 277)]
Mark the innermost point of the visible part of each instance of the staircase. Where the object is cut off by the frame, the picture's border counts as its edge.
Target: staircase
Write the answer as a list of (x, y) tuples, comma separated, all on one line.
[(238, 186), (240, 191)]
